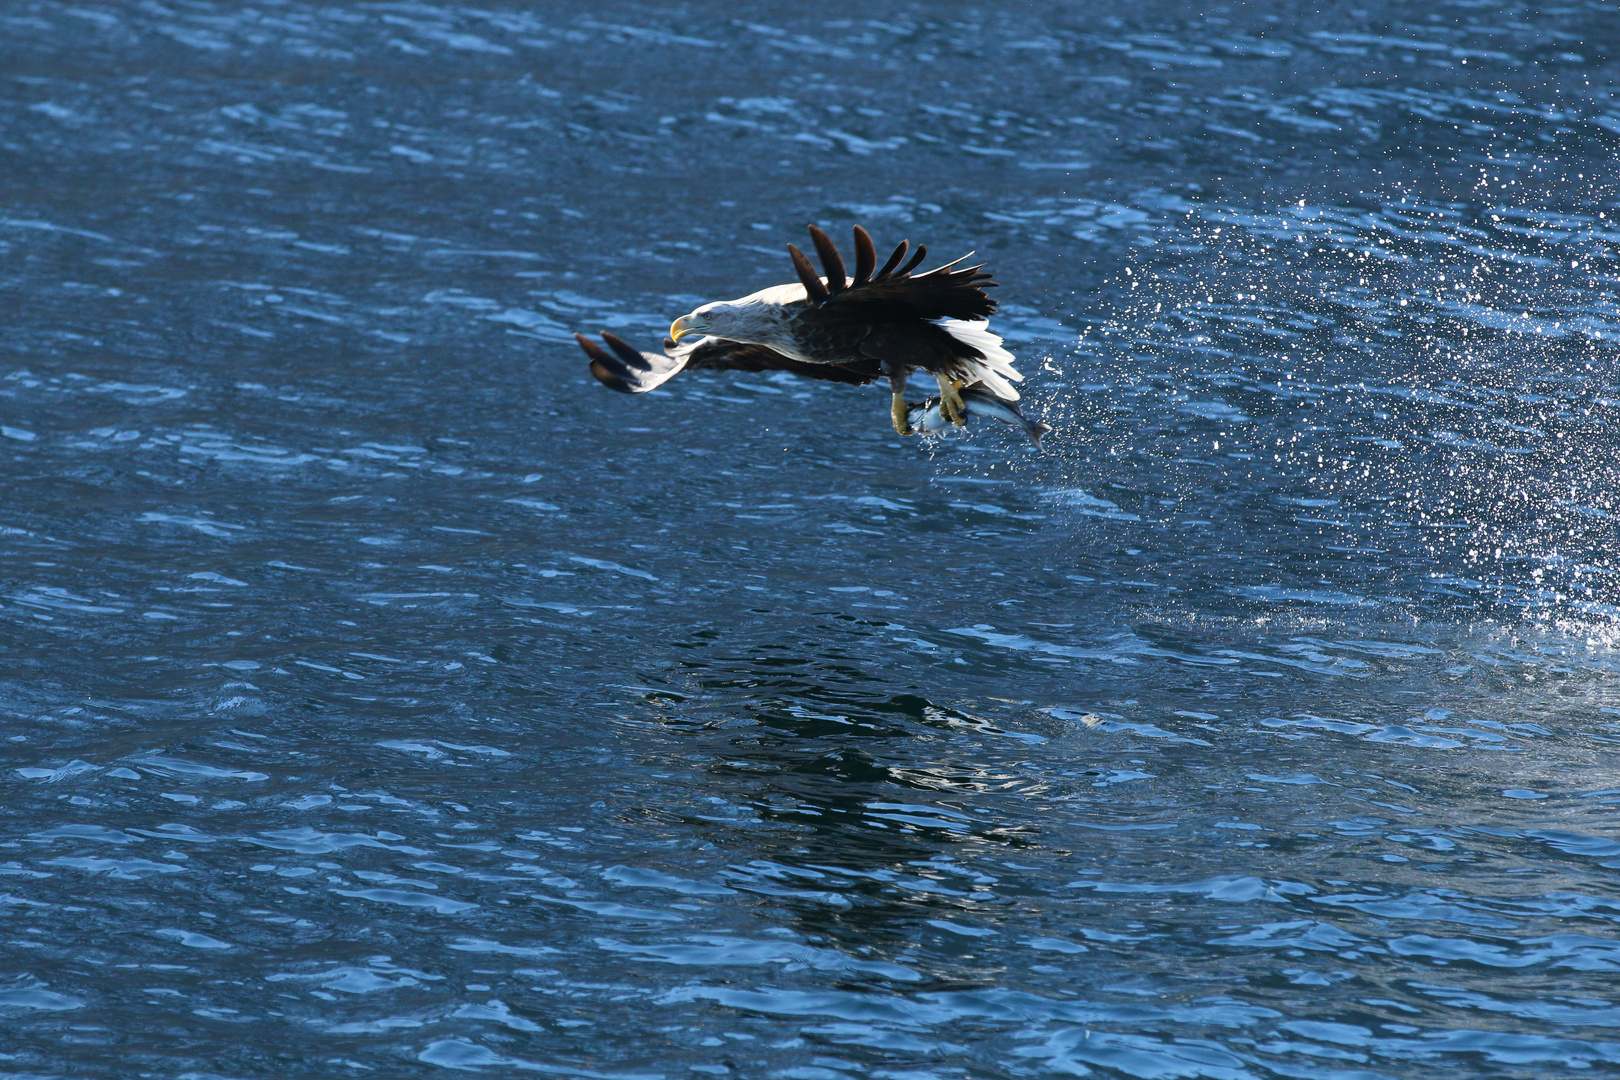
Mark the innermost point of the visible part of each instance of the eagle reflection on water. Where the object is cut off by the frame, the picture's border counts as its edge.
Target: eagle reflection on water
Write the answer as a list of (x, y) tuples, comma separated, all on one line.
[(881, 323)]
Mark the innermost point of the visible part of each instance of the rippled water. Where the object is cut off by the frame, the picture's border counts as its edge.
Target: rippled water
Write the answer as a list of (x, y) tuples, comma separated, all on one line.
[(384, 697)]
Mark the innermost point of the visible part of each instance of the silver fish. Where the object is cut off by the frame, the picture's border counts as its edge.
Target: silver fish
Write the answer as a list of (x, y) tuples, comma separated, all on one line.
[(927, 419)]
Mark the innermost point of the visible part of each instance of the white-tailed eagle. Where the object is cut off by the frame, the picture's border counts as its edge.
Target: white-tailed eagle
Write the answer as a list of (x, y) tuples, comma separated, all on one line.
[(881, 323)]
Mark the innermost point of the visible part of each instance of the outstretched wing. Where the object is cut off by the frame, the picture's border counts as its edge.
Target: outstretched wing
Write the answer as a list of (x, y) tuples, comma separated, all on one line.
[(630, 371), (945, 292)]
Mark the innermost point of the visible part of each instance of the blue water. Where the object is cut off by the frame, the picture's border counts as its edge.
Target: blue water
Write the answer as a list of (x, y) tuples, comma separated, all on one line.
[(383, 697)]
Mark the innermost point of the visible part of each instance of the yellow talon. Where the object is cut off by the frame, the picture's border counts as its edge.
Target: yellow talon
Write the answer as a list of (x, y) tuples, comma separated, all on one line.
[(897, 412), (950, 400)]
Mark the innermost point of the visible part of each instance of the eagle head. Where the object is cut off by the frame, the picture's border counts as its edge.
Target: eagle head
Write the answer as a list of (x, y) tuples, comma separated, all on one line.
[(708, 319), (747, 321)]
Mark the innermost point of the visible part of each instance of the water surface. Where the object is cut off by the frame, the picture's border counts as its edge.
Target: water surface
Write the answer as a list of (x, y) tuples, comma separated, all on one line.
[(384, 697)]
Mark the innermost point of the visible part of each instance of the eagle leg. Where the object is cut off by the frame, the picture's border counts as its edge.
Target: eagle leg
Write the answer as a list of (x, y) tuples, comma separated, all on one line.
[(950, 400), (897, 405)]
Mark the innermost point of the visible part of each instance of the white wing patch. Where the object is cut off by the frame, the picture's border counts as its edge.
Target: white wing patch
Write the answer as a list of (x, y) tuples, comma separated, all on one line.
[(791, 293), (996, 370)]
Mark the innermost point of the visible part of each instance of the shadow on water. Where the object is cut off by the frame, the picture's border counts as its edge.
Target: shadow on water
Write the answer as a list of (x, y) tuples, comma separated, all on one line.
[(868, 814)]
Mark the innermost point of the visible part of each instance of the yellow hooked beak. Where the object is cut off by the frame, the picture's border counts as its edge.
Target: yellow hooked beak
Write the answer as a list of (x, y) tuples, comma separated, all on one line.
[(686, 324)]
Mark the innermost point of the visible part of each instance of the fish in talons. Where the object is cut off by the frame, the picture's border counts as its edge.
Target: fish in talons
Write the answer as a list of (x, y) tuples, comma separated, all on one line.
[(928, 418)]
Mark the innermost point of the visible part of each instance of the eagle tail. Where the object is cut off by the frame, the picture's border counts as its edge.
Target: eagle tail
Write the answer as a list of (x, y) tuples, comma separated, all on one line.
[(993, 366)]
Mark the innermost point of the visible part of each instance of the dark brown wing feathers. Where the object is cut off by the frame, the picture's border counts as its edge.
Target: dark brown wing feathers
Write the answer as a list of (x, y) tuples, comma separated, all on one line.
[(630, 356), (730, 356), (894, 260), (617, 370), (865, 257), (814, 289), (911, 264), (831, 261), (945, 292)]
